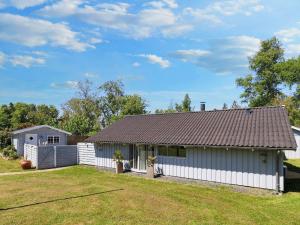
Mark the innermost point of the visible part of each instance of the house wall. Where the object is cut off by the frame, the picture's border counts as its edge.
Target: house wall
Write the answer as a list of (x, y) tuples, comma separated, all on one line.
[(238, 167), (101, 155), (294, 154), (43, 134)]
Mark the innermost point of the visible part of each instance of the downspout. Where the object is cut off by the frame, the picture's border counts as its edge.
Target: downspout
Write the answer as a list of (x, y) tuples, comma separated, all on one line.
[(277, 172)]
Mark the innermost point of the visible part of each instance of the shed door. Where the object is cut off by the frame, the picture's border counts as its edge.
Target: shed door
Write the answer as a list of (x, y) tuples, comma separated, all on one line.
[(31, 139)]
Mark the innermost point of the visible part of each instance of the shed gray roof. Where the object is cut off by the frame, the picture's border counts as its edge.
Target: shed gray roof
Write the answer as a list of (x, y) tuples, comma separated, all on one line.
[(263, 127), (38, 127)]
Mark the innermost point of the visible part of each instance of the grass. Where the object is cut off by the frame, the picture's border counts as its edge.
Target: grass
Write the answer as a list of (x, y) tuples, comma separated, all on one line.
[(293, 163), (7, 166), (83, 195)]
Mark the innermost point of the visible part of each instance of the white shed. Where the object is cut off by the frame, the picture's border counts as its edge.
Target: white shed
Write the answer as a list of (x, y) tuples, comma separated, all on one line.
[(42, 135), (294, 154)]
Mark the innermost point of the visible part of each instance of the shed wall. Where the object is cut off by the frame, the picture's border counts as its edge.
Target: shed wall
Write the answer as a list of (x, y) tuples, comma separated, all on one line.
[(43, 134), (294, 154)]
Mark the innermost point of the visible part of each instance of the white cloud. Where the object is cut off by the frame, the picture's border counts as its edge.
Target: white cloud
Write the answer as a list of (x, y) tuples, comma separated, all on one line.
[(224, 56), (154, 59), (171, 3), (138, 24), (136, 64), (191, 54), (288, 35), (70, 84), (35, 32), (291, 40), (20, 4), (2, 59), (26, 61), (90, 75), (213, 12), (177, 30), (230, 7)]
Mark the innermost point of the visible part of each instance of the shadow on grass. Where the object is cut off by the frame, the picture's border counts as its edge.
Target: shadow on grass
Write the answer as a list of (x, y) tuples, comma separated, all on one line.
[(58, 199), (292, 184)]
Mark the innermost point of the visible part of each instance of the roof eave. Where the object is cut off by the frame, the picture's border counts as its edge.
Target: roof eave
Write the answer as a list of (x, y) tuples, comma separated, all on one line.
[(199, 146)]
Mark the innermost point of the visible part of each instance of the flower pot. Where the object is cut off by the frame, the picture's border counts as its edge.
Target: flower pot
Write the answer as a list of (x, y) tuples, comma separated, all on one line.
[(25, 164), (150, 171), (119, 168)]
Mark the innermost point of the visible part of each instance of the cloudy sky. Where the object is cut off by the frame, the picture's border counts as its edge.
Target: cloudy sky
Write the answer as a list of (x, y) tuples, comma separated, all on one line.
[(161, 49)]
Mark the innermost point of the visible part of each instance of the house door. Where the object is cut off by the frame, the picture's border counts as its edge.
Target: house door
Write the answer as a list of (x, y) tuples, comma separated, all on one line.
[(138, 157), (31, 139)]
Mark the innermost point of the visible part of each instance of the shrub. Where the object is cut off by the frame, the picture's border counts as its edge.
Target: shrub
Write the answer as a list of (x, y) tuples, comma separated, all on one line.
[(9, 152), (118, 157)]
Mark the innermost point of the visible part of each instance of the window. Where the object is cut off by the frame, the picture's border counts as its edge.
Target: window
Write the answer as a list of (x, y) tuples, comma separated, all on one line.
[(53, 140), (172, 151), (163, 150)]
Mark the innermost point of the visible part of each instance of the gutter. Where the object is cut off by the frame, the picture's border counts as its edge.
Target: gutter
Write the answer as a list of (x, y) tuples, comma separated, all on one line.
[(278, 153), (198, 146)]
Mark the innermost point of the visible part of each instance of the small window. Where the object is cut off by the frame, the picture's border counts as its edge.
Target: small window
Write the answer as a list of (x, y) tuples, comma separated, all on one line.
[(53, 139), (162, 150), (181, 152), (172, 151)]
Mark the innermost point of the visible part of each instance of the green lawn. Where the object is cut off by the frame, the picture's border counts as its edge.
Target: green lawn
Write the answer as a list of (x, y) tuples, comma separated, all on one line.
[(7, 166), (293, 163), (83, 195)]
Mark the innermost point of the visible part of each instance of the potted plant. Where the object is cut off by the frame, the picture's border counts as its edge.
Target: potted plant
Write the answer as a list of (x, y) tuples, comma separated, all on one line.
[(25, 164), (150, 166), (118, 158)]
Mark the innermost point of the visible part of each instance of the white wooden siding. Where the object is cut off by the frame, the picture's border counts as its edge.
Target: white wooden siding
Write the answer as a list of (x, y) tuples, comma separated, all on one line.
[(31, 153), (86, 153), (104, 155), (294, 154), (240, 167)]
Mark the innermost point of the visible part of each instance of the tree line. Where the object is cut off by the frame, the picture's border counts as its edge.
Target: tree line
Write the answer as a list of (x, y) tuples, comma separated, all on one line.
[(94, 108)]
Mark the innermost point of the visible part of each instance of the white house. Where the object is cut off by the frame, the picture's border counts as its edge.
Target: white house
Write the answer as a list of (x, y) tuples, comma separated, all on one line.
[(235, 146), (38, 135), (294, 154)]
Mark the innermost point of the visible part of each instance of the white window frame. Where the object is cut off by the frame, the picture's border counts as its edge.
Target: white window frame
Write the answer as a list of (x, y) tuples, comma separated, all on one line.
[(53, 137)]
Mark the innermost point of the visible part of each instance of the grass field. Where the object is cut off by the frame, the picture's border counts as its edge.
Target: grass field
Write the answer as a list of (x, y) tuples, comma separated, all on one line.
[(83, 195), (7, 166)]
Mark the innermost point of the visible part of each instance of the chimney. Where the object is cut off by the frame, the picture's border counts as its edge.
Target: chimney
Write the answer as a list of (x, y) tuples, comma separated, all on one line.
[(202, 106)]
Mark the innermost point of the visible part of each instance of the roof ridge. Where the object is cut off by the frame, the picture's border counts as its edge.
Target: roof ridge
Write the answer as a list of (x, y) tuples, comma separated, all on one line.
[(207, 111)]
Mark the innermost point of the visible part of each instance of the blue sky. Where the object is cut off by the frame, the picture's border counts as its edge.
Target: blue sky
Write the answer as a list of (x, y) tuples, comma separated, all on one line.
[(161, 49)]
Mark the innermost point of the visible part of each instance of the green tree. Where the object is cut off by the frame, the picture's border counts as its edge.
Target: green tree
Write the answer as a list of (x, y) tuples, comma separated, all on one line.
[(133, 105), (5, 117), (263, 87), (225, 106), (271, 73), (235, 105), (186, 104), (81, 114), (112, 100)]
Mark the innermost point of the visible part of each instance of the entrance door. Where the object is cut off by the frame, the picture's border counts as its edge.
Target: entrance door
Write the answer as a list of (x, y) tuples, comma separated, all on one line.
[(138, 157), (143, 155)]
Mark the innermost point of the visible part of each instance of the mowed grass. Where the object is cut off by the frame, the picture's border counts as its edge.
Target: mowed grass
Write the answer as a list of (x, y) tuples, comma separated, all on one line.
[(83, 195), (7, 166)]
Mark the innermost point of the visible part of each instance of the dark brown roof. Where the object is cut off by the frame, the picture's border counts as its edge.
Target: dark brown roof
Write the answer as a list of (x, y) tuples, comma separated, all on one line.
[(264, 127)]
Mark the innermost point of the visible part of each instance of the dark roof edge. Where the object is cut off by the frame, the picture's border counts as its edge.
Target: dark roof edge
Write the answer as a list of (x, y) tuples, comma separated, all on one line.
[(217, 110), (202, 146)]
